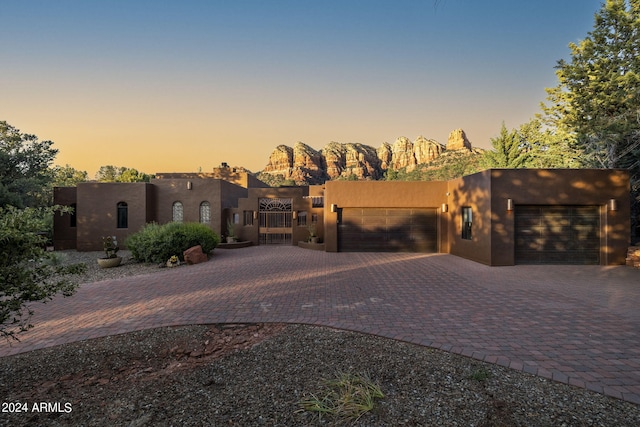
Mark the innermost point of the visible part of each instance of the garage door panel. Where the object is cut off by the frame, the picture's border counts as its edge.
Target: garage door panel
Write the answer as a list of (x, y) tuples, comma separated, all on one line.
[(557, 235), (383, 230)]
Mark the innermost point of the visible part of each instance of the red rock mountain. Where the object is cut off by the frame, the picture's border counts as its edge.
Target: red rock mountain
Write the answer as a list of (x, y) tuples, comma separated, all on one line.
[(305, 165)]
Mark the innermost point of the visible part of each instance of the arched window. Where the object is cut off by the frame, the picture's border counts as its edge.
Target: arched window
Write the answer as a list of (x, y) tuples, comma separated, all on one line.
[(205, 212), (123, 215), (178, 212)]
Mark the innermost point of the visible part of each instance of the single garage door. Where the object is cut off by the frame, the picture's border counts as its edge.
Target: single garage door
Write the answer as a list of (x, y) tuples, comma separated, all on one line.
[(387, 230), (557, 234)]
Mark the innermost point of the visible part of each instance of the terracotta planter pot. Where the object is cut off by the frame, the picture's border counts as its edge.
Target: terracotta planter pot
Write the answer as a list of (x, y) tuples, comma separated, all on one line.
[(109, 262)]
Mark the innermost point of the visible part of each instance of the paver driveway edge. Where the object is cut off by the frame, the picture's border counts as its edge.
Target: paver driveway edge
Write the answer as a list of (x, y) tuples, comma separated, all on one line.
[(574, 324)]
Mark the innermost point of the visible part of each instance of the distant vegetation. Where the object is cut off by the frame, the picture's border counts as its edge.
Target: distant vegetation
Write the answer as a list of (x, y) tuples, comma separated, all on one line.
[(275, 180), (449, 165)]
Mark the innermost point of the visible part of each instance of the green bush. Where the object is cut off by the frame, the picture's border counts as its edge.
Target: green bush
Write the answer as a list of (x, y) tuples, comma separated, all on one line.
[(27, 272), (157, 243)]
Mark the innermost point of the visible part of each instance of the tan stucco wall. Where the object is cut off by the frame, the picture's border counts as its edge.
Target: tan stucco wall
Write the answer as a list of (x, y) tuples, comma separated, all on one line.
[(219, 194), (593, 187), (97, 212), (64, 236), (243, 179), (487, 192), (472, 191)]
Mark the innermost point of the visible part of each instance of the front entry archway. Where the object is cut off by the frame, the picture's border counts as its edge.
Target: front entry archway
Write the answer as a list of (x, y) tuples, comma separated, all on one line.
[(276, 226)]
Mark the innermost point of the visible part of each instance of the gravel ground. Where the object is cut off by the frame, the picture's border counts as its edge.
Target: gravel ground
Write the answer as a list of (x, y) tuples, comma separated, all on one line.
[(257, 375)]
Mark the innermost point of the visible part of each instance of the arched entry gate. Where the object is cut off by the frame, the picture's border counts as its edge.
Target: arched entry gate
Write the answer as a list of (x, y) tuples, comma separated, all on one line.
[(276, 221)]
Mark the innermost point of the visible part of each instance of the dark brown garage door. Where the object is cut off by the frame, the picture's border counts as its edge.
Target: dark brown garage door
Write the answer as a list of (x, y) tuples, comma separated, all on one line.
[(387, 230), (557, 234)]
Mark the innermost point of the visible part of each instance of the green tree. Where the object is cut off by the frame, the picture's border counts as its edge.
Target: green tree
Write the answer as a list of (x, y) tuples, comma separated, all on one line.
[(109, 173), (25, 175), (133, 175), (598, 95), (66, 176), (597, 100), (509, 151), (112, 173), (546, 147), (27, 272)]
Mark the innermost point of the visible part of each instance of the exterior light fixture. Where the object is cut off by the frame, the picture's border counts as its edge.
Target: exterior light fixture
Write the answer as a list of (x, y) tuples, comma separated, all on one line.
[(509, 205), (255, 214), (189, 185), (295, 214), (334, 207), (445, 207), (612, 205)]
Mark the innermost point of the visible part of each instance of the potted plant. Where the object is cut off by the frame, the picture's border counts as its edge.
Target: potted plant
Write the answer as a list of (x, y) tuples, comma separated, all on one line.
[(231, 237), (110, 245), (313, 237), (173, 261)]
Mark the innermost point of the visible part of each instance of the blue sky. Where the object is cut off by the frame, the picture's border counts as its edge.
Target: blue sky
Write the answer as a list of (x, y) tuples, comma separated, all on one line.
[(181, 85)]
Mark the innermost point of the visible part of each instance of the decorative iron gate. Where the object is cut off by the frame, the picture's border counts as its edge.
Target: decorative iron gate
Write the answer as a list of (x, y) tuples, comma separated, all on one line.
[(276, 226)]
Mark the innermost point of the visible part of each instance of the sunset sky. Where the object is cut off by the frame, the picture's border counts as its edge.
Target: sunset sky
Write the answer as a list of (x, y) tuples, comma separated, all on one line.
[(174, 86)]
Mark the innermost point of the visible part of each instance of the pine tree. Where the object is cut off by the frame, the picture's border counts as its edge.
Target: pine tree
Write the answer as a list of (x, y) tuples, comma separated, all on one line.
[(508, 151), (597, 101)]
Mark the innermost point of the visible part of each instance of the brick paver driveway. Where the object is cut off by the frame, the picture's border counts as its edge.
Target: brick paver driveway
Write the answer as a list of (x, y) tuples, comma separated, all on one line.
[(575, 324)]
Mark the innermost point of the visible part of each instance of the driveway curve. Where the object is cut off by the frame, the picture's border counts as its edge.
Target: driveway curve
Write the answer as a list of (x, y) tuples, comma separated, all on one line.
[(579, 325)]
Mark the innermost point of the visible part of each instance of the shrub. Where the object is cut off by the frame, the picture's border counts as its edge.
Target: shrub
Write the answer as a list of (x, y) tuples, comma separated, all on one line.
[(157, 243), (27, 272)]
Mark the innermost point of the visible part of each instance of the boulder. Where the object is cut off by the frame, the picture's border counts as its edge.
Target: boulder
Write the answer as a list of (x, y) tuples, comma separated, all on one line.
[(194, 255)]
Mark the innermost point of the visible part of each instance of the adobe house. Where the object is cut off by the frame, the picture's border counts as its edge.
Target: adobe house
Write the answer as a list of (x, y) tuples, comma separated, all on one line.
[(495, 217)]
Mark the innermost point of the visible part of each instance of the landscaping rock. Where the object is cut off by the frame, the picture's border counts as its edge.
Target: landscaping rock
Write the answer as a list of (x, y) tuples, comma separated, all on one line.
[(194, 255)]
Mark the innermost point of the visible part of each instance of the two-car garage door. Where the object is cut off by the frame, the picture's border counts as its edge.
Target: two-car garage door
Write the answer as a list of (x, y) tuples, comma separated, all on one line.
[(557, 234), (387, 230)]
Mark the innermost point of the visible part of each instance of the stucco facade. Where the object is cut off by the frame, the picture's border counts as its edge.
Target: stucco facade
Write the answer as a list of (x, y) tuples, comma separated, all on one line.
[(495, 217)]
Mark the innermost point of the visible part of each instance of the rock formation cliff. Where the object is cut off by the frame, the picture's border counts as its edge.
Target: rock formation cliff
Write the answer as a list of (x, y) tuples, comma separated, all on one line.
[(304, 165)]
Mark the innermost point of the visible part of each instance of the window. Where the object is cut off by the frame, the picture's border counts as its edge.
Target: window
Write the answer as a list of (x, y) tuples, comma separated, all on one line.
[(205, 212), (73, 218), (248, 217), (314, 218), (302, 218), (123, 215), (178, 212), (236, 218), (467, 220)]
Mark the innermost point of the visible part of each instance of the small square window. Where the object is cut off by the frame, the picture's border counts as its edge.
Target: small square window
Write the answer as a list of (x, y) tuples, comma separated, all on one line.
[(248, 217), (302, 218)]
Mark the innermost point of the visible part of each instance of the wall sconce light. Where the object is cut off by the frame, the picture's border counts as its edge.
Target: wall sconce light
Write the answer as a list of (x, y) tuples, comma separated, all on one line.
[(509, 205), (334, 207), (189, 185), (255, 214), (445, 207), (295, 214), (612, 205)]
